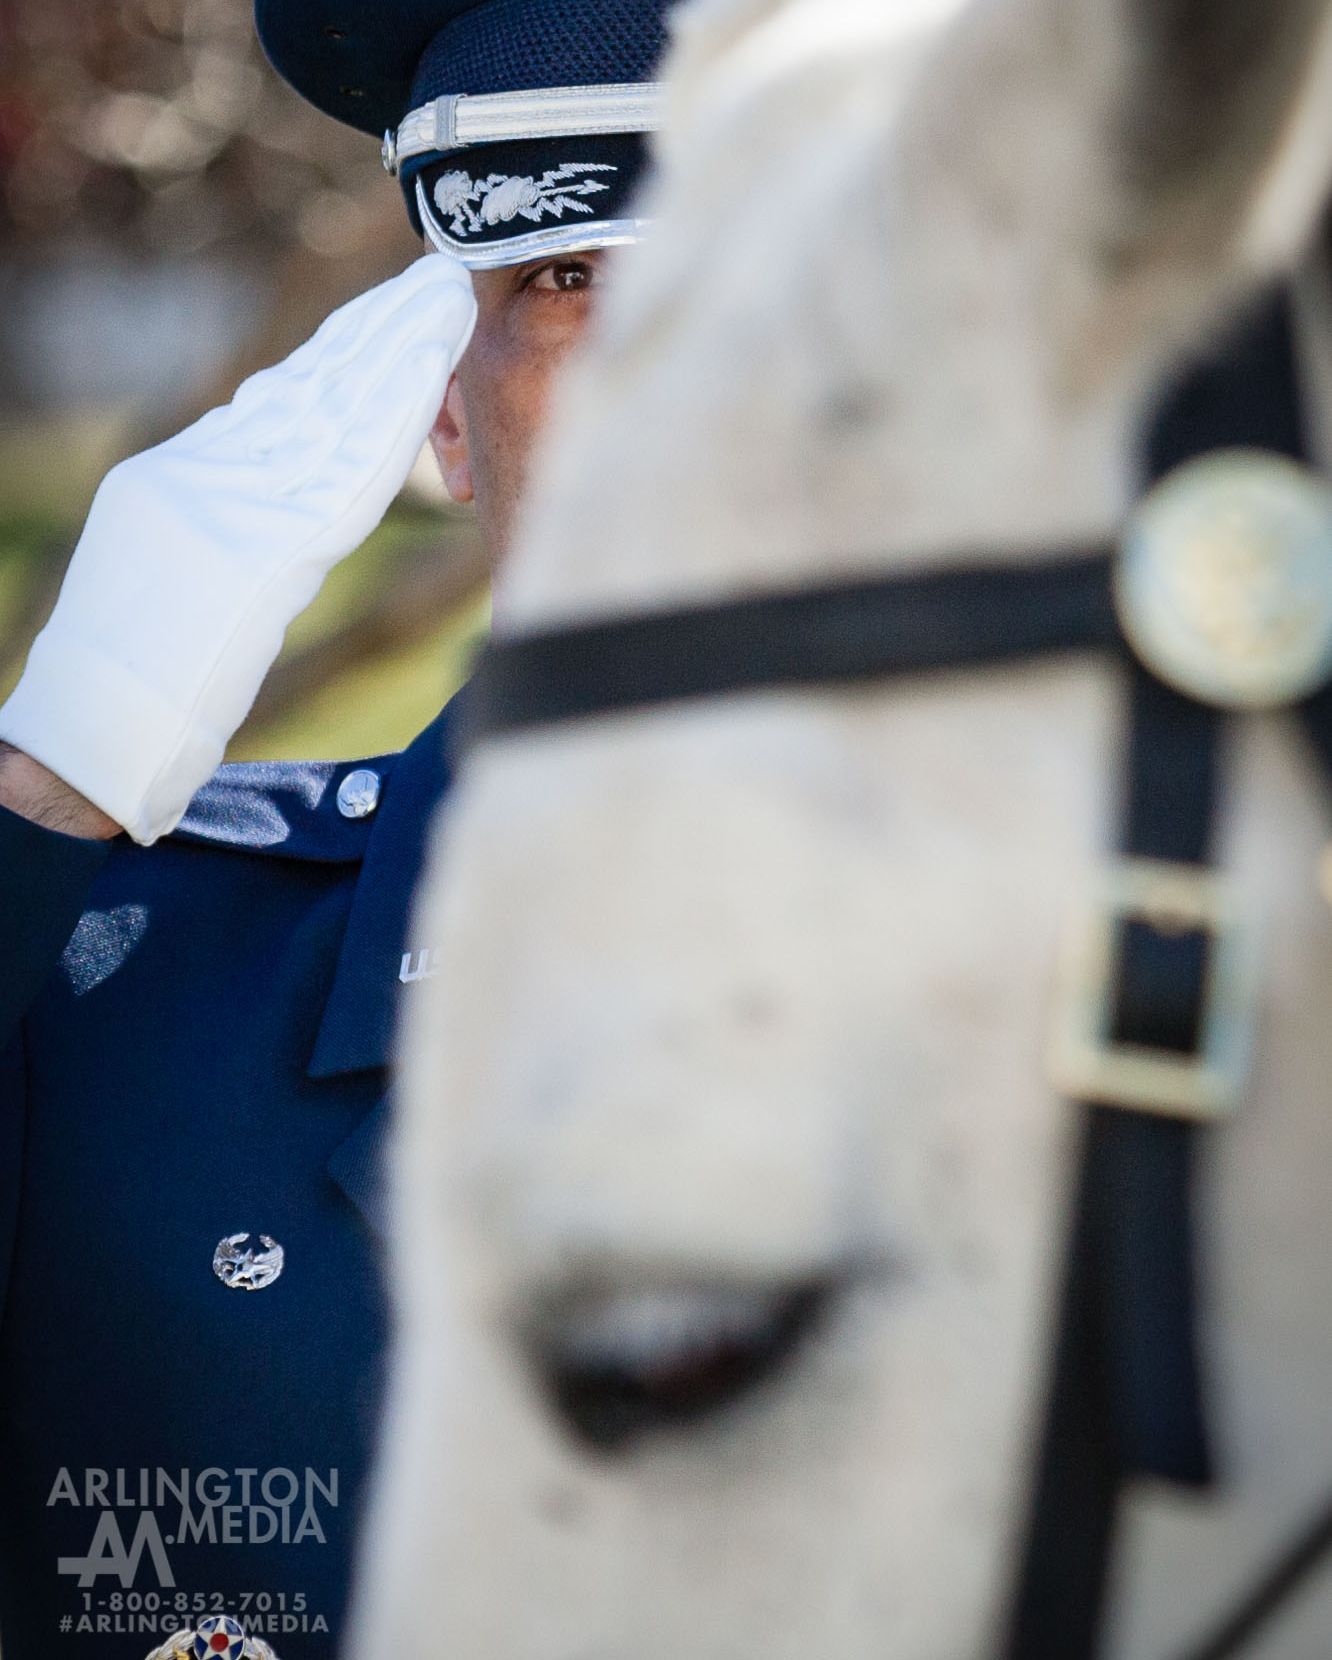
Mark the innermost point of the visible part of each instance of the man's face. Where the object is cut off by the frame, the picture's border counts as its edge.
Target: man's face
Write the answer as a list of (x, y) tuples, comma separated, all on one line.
[(528, 319)]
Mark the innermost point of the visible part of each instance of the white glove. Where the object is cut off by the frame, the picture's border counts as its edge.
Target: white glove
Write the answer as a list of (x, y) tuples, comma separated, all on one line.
[(198, 554)]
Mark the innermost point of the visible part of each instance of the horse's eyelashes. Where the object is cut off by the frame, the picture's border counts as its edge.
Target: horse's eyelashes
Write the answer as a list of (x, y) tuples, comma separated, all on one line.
[(620, 1367)]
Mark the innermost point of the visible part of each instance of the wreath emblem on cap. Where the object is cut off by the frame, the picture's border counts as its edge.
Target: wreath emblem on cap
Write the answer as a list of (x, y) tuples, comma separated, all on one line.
[(480, 204)]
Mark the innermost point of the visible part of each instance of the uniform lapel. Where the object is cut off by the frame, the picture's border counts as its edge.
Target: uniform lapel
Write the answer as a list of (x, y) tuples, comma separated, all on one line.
[(357, 1166), (378, 959)]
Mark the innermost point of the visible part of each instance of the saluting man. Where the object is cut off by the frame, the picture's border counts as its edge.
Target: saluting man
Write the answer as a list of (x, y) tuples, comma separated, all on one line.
[(202, 966)]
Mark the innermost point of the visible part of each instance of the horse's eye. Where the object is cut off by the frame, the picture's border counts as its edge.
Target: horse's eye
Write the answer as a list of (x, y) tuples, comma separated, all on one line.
[(621, 1365)]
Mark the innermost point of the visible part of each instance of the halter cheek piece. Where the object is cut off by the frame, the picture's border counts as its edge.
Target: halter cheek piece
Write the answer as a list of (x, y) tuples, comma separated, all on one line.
[(1153, 1036)]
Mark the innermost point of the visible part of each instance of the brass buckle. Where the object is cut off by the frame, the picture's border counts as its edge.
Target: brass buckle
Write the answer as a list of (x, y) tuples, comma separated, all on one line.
[(1173, 898)]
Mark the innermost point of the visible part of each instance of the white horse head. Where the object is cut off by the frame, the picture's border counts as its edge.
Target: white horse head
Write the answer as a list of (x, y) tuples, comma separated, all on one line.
[(731, 1084)]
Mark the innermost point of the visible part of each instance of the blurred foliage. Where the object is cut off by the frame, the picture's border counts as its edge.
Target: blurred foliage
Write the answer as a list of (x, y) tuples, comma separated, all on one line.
[(158, 125), (152, 135)]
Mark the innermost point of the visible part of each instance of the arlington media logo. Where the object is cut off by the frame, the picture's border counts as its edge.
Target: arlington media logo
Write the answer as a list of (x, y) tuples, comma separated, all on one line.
[(142, 1513)]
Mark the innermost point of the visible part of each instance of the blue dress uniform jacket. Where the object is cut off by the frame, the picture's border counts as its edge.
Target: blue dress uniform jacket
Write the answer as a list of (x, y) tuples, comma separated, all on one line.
[(195, 1039)]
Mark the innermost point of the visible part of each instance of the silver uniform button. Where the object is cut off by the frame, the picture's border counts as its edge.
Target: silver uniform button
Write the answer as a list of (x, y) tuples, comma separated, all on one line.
[(1224, 581), (242, 1267), (358, 793)]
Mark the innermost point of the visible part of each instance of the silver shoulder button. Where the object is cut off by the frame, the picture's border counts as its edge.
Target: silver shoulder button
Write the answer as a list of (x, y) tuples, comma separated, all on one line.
[(358, 793)]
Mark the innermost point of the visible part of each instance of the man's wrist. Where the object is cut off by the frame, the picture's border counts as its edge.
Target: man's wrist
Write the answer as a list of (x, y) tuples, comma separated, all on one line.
[(35, 792)]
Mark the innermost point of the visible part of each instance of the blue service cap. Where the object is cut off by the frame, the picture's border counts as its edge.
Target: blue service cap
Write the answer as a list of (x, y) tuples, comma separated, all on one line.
[(517, 127)]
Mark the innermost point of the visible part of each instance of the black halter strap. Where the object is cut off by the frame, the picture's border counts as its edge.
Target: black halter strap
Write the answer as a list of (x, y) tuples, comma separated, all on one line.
[(1125, 1395), (836, 633)]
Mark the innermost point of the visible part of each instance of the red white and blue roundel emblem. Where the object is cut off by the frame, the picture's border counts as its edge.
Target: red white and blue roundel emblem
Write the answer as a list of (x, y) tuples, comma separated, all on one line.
[(218, 1638)]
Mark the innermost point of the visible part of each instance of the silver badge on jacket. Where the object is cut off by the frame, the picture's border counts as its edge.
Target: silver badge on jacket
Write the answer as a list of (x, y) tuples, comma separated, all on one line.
[(242, 1267)]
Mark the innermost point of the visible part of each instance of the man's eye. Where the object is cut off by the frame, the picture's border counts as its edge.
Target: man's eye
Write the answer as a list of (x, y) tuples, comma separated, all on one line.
[(566, 276)]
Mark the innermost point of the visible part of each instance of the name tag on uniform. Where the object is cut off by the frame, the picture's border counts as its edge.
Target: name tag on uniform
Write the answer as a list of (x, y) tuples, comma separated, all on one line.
[(420, 965)]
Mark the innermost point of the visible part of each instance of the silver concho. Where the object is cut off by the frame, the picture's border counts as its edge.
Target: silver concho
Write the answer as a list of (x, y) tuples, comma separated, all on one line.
[(1224, 581), (247, 1269)]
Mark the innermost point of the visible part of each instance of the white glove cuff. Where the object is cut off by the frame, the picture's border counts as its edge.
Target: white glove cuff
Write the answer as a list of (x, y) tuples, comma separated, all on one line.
[(110, 738)]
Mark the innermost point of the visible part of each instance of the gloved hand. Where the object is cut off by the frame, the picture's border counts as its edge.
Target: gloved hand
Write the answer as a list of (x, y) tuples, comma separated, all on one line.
[(197, 554)]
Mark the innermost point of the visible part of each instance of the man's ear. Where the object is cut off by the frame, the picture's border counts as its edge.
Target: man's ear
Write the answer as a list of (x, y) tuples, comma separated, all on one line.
[(448, 439)]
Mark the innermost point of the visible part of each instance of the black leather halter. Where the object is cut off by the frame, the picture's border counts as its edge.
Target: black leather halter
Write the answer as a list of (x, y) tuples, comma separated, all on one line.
[(1125, 1393), (836, 633)]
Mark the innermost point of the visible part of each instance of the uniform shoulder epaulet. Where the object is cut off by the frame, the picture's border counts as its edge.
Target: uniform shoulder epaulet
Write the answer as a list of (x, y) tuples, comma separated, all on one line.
[(285, 809)]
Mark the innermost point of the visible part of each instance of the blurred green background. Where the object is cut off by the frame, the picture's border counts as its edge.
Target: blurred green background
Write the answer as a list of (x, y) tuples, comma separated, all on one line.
[(171, 218)]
